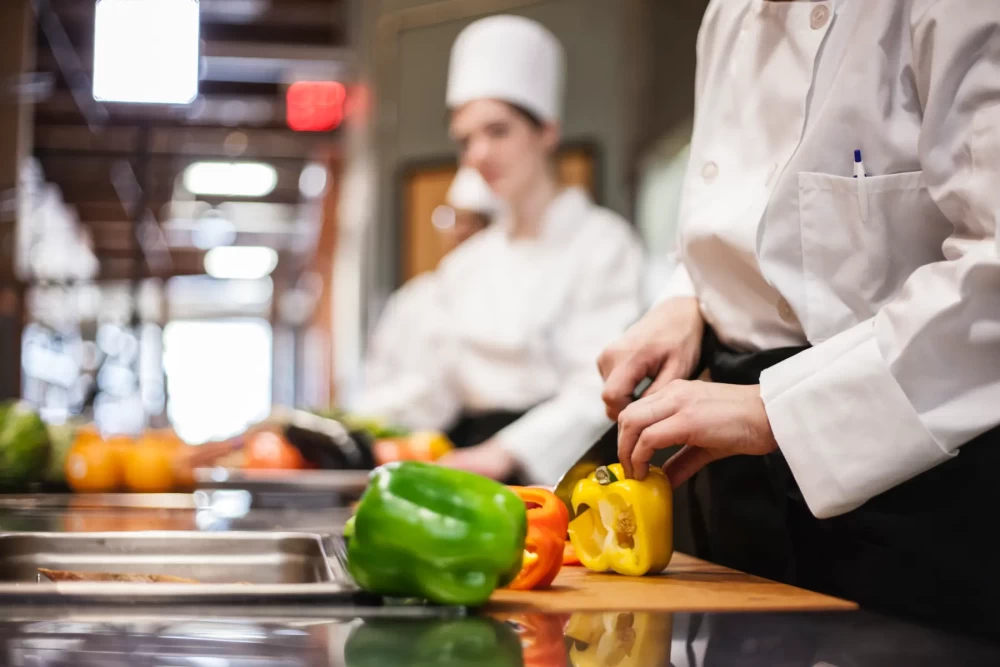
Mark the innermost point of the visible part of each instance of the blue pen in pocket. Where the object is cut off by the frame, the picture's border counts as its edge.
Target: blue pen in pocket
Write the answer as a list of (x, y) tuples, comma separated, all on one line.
[(859, 173)]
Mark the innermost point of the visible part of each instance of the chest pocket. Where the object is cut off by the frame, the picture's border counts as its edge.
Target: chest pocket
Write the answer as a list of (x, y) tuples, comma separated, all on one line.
[(854, 265)]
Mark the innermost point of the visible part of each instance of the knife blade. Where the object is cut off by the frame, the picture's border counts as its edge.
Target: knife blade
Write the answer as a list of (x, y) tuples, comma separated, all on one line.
[(603, 452)]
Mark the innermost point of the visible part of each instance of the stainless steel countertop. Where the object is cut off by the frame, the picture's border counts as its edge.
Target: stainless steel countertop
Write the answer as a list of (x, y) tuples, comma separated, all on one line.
[(286, 636)]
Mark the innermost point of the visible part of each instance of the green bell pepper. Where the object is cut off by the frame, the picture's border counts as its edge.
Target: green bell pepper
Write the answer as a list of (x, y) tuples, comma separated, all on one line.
[(449, 536), (466, 642)]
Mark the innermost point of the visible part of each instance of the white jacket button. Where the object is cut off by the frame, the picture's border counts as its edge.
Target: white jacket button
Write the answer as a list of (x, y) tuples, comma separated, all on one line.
[(820, 15), (710, 172), (785, 312)]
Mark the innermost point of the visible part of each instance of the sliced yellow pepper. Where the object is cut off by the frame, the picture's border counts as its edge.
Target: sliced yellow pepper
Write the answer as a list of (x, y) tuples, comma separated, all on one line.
[(623, 525)]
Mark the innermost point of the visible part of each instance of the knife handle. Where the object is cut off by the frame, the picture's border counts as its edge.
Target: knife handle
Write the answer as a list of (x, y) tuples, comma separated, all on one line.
[(641, 388)]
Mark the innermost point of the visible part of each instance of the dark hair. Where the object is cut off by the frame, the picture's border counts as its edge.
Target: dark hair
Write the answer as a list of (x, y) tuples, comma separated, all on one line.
[(536, 123), (529, 116)]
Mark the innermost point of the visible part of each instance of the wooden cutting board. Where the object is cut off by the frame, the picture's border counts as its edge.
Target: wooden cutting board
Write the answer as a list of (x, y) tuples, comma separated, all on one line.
[(689, 584)]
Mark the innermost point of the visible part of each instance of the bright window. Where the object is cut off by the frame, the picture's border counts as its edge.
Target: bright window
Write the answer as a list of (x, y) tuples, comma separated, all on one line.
[(218, 376), (146, 51)]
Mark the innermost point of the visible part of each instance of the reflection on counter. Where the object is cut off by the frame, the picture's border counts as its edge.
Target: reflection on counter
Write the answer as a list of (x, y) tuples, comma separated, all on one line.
[(176, 642), (321, 637), (320, 511)]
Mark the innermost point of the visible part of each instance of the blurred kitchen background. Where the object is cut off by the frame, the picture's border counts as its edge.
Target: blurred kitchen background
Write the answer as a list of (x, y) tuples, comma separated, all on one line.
[(192, 264)]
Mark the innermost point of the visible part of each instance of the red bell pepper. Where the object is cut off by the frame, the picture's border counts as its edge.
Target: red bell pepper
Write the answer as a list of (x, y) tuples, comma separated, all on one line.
[(548, 521), (542, 559)]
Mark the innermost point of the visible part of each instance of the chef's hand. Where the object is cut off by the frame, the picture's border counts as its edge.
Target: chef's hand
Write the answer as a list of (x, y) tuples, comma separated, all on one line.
[(711, 420), (664, 345), (489, 459)]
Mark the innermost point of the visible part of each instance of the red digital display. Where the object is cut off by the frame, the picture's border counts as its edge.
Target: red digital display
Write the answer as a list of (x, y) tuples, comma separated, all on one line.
[(315, 106)]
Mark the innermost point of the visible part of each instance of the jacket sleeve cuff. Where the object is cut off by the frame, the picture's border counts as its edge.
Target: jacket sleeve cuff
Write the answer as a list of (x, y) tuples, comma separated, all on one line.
[(844, 424), (678, 285), (568, 440)]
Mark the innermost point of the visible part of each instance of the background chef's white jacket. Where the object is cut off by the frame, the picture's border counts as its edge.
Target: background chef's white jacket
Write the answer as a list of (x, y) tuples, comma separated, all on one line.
[(507, 324), (902, 307), (399, 384)]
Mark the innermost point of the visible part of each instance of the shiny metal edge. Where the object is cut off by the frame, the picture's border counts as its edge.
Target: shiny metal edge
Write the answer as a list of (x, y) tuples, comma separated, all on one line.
[(91, 501), (354, 481)]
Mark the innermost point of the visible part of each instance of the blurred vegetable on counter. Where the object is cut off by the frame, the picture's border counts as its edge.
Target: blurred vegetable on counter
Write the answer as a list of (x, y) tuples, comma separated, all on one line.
[(24, 446), (94, 465), (266, 450), (569, 555), (61, 439), (421, 446), (149, 463)]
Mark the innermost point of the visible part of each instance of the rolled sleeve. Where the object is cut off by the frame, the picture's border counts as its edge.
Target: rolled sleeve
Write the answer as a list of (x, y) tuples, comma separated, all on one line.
[(820, 404), (900, 393)]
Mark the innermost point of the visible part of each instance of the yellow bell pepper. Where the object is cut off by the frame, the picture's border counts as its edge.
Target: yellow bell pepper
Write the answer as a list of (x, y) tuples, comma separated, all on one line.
[(619, 639), (623, 525)]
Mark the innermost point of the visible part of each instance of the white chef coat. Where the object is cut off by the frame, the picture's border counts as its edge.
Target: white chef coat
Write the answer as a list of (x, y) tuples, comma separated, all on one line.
[(517, 324), (902, 307), (398, 383)]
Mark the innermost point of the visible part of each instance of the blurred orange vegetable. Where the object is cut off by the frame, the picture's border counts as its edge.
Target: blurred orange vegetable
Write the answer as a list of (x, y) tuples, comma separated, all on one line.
[(569, 555), (266, 450), (149, 466), (422, 446), (93, 465)]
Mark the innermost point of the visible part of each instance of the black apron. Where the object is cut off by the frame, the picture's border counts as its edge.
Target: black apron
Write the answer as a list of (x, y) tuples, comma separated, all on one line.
[(473, 429), (920, 551)]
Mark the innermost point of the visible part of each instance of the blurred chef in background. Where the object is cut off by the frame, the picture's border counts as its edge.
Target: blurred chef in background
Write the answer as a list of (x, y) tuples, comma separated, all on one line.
[(471, 207), (521, 310), (396, 381)]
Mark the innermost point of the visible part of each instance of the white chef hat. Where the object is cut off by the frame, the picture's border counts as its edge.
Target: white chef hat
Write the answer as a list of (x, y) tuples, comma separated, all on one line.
[(469, 192), (509, 58)]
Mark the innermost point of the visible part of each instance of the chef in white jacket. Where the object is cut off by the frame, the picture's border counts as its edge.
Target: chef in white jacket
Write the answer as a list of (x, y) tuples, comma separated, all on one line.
[(851, 325), (522, 309), (397, 381)]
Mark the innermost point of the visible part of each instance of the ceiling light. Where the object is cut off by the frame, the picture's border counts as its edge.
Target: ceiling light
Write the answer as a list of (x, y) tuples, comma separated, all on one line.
[(240, 262), (213, 230), (312, 181), (230, 179), (146, 52)]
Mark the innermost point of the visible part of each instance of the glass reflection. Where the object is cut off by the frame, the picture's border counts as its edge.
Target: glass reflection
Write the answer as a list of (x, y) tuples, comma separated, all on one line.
[(420, 636)]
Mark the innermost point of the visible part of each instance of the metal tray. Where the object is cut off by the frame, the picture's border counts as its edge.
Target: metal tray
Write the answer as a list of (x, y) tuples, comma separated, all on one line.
[(276, 568), (348, 483)]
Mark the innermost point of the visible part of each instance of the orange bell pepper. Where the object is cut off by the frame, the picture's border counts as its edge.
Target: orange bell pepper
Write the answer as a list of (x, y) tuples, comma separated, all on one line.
[(543, 550), (548, 521), (544, 508), (569, 555)]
